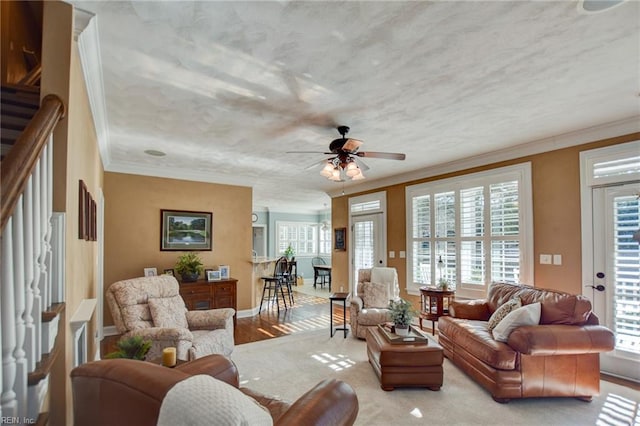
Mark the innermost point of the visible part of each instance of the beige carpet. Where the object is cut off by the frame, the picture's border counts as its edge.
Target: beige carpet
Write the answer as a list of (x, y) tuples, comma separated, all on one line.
[(289, 366)]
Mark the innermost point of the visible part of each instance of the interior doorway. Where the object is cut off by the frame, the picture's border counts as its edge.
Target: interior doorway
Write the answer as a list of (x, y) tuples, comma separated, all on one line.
[(259, 240)]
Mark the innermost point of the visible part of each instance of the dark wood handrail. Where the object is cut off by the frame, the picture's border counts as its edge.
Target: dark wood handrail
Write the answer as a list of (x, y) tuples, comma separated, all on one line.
[(22, 158), (32, 77)]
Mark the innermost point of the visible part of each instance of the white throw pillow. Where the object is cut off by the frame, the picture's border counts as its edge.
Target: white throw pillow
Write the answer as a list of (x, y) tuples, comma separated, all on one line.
[(202, 400), (502, 311), (526, 315)]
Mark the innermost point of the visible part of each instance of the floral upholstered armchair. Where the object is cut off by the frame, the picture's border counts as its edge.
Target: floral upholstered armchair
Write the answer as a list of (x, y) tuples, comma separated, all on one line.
[(369, 306), (151, 307)]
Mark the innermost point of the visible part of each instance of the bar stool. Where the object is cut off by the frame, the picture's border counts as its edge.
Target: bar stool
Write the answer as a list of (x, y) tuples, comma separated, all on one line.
[(274, 283)]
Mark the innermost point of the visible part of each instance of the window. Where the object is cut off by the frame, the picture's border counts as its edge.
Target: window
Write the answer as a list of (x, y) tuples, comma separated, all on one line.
[(471, 230), (324, 242), (303, 237)]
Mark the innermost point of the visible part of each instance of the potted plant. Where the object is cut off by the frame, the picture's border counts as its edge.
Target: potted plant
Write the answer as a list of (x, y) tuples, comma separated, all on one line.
[(189, 266), (134, 347), (443, 284), (289, 252), (401, 312)]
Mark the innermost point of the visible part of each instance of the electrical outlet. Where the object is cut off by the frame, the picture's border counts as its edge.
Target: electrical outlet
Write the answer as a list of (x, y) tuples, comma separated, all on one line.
[(545, 259)]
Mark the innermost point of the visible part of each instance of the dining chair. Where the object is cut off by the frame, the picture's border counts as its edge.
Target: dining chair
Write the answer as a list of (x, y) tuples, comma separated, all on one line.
[(323, 274)]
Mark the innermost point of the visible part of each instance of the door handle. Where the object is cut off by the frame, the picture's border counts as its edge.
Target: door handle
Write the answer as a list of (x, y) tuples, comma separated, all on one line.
[(598, 287)]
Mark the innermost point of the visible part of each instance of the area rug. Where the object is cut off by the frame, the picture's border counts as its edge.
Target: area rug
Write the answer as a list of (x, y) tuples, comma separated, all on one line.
[(289, 366)]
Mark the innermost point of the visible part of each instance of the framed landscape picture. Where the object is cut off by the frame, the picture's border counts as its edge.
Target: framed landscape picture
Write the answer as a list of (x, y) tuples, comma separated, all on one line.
[(182, 230)]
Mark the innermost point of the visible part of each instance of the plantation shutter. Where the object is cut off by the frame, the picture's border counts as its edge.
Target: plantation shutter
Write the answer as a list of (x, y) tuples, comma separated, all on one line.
[(421, 245), (626, 212), (505, 223)]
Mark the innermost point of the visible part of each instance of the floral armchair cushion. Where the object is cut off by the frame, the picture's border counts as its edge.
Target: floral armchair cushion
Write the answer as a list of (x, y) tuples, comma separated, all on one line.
[(168, 312)]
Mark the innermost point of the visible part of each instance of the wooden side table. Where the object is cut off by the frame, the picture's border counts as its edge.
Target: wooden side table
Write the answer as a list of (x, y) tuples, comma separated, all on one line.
[(340, 297), (434, 304)]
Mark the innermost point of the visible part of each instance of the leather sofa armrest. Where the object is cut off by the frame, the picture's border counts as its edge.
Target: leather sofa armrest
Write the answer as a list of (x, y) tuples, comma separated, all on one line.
[(561, 339), (470, 309), (218, 366), (357, 303), (211, 319), (120, 391), (330, 402)]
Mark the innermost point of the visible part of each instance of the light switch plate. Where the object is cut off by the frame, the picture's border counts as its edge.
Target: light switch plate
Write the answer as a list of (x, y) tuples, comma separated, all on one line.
[(392, 254), (557, 259), (545, 259), (403, 254)]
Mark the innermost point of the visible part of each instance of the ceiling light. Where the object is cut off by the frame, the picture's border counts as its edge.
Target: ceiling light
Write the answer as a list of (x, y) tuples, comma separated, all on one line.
[(596, 6), (335, 167), (154, 153)]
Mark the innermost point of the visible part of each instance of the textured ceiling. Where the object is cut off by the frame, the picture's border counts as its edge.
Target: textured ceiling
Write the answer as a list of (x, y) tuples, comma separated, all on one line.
[(226, 88)]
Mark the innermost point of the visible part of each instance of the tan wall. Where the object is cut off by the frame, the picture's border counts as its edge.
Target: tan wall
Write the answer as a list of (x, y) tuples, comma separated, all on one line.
[(75, 145), (556, 216), (132, 227)]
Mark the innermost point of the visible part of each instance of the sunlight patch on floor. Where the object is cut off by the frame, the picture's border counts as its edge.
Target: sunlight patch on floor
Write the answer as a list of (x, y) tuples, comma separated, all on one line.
[(619, 411), (335, 362), (416, 413)]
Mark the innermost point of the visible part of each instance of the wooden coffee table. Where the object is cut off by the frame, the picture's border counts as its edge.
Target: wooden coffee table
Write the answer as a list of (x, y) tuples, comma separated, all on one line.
[(405, 365)]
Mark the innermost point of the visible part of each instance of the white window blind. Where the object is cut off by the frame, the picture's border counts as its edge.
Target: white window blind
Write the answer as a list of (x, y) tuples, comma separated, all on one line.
[(367, 206), (627, 273), (469, 230), (303, 238)]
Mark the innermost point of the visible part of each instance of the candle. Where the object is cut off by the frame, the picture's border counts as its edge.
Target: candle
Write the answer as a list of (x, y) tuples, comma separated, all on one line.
[(169, 357)]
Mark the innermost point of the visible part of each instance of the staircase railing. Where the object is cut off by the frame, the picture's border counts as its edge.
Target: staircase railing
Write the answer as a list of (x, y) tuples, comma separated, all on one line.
[(26, 211)]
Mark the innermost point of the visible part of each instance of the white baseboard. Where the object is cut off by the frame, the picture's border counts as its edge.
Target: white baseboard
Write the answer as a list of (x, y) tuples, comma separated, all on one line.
[(110, 330)]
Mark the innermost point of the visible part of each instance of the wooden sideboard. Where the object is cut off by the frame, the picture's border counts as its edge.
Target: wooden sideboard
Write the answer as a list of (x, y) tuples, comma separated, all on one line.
[(210, 294)]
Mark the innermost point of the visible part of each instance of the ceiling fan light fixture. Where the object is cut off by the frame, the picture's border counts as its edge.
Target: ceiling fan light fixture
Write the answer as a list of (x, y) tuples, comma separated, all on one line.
[(359, 176), (335, 175), (352, 169), (327, 169)]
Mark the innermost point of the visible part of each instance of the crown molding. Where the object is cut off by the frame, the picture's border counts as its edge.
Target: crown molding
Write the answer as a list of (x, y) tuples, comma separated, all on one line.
[(604, 131), (86, 35), (180, 174)]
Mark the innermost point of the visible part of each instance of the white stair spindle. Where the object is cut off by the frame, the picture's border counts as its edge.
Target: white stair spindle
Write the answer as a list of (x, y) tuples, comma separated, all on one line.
[(29, 256), (36, 311), (8, 396), (19, 296)]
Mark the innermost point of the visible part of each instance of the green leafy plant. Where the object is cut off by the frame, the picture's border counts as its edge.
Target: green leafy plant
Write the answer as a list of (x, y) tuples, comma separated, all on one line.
[(134, 347), (402, 312), (289, 252), (443, 284), (189, 263)]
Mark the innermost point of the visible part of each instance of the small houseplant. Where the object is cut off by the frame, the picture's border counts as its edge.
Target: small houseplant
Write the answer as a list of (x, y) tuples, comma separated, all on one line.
[(134, 347), (401, 313), (189, 266), (289, 252), (443, 284)]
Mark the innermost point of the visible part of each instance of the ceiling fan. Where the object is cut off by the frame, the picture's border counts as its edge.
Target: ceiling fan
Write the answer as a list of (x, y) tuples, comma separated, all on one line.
[(346, 158)]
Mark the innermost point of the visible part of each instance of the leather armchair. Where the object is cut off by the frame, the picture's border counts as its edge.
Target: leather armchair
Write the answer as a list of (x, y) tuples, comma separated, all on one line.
[(152, 307), (127, 392)]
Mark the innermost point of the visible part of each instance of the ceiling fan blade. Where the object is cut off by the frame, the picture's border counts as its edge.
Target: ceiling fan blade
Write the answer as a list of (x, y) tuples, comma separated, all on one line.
[(361, 164), (316, 164), (385, 155), (306, 152), (351, 145)]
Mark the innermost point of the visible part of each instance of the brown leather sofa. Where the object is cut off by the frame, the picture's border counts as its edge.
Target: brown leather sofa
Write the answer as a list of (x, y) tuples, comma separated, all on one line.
[(127, 392), (557, 358)]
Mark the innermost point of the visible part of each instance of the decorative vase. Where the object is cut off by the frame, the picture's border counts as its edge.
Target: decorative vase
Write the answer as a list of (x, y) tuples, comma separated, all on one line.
[(402, 330), (190, 277)]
